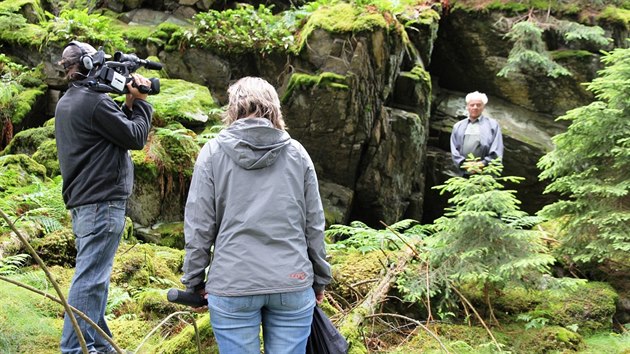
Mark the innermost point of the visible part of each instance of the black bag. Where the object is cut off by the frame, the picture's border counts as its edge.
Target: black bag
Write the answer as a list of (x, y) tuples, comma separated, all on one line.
[(325, 338)]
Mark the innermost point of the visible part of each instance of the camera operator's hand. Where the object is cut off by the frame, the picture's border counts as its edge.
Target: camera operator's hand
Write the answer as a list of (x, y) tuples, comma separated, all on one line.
[(201, 309), (134, 92)]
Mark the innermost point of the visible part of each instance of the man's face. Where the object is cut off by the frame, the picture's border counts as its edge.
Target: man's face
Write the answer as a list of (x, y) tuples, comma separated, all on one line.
[(474, 107)]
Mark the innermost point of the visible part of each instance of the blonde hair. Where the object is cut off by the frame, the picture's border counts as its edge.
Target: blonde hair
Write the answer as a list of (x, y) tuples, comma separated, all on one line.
[(253, 97), (477, 96)]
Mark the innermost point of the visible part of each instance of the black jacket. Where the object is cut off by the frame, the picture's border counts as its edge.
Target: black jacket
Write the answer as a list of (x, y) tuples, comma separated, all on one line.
[(93, 138)]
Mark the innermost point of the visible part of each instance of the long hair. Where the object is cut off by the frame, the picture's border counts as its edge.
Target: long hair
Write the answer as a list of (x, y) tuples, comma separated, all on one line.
[(252, 97)]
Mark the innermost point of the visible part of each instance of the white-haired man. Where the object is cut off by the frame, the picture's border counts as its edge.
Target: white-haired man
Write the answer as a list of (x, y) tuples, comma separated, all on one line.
[(477, 135)]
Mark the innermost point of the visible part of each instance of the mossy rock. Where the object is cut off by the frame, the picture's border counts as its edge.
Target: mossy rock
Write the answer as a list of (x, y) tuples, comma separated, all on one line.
[(517, 299), (169, 151), (146, 265), (30, 9), (549, 339), (341, 18), (165, 234), (19, 170), (590, 306), (185, 342), (355, 267), (305, 81), (46, 155), (181, 101), (57, 248), (154, 305), (28, 141)]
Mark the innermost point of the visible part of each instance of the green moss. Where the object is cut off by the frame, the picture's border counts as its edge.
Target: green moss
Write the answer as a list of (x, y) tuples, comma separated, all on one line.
[(183, 102), (419, 74), (169, 35), (127, 234), (56, 248), (19, 170), (143, 265), (168, 156), (23, 34), (567, 54), (25, 329), (185, 342), (354, 267), (590, 306), (341, 18), (46, 155), (27, 141), (615, 15), (28, 8), (517, 299), (170, 235), (305, 81), (135, 33), (130, 332), (154, 305)]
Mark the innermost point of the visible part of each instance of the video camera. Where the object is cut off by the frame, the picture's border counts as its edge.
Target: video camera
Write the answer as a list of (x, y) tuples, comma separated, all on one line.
[(113, 76)]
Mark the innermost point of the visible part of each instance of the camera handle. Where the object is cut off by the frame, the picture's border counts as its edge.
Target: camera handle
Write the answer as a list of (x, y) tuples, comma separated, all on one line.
[(153, 89)]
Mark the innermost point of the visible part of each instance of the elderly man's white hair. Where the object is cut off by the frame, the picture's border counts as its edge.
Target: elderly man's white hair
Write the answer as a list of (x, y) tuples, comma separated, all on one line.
[(477, 96)]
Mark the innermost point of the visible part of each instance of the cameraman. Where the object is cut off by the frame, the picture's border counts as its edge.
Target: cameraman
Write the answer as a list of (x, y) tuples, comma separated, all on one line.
[(93, 138)]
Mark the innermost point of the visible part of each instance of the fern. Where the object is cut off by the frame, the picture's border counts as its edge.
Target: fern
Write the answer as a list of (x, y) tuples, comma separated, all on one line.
[(11, 264), (365, 239)]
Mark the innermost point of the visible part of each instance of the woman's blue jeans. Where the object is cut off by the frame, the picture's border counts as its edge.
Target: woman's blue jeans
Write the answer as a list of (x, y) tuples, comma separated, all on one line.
[(285, 317), (97, 228)]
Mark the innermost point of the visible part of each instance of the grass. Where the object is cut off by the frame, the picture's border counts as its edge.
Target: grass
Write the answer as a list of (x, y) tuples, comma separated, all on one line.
[(611, 343), (26, 324)]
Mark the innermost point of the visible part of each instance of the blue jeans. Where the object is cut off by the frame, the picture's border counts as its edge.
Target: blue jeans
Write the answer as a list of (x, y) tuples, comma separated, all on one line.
[(97, 228), (286, 322)]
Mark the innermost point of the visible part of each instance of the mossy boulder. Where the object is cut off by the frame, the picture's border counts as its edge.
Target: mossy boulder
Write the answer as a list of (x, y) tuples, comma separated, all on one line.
[(46, 155), (57, 248), (591, 306), (162, 173), (19, 170), (28, 141), (183, 102), (145, 265), (475, 339), (154, 305)]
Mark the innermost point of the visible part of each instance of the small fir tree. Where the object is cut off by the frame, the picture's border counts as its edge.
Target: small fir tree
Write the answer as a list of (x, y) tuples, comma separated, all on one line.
[(590, 166), (484, 238)]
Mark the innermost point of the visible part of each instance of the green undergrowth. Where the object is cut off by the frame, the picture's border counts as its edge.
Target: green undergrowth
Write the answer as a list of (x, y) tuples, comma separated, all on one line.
[(26, 325)]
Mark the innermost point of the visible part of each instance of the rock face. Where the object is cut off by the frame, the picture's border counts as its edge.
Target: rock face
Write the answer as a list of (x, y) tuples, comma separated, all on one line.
[(526, 137), (355, 139), (373, 107), (470, 50)]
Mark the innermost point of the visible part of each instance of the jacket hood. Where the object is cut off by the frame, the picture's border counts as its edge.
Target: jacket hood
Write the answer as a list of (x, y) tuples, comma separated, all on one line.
[(253, 143)]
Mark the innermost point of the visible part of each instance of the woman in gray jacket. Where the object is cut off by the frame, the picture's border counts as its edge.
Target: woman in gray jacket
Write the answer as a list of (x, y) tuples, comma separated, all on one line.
[(254, 215)]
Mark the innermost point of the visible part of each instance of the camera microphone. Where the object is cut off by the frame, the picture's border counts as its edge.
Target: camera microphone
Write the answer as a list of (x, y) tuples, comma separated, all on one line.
[(151, 65), (186, 298)]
